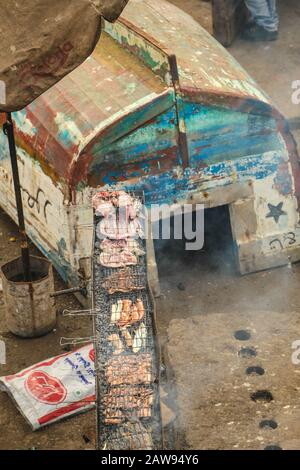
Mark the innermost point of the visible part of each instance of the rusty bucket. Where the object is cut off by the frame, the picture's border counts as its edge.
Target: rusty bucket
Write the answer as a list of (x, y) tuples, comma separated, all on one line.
[(30, 310)]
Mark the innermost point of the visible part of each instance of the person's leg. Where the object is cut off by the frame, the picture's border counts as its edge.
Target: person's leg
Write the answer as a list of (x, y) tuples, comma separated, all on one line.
[(274, 14), (264, 13), (264, 25)]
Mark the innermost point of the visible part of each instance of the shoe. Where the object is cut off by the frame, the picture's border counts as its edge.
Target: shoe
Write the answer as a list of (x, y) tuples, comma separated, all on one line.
[(258, 33)]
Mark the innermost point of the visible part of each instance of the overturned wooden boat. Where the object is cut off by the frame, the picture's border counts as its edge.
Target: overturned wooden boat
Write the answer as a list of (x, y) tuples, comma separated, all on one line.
[(160, 107)]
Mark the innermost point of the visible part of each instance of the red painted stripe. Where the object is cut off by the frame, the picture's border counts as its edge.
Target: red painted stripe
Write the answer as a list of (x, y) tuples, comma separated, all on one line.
[(42, 364), (36, 366), (66, 409)]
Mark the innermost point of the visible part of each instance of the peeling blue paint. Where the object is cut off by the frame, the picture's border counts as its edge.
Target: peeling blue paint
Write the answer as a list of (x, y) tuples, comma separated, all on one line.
[(169, 186)]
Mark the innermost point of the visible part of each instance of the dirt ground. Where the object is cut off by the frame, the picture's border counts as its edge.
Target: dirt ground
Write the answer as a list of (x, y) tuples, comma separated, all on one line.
[(216, 385), (76, 433), (204, 301)]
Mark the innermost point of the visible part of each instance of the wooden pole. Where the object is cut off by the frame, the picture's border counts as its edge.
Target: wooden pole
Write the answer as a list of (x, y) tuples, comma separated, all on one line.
[(8, 129)]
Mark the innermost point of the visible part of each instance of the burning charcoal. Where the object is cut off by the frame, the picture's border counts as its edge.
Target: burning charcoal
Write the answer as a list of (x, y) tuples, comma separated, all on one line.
[(131, 435)]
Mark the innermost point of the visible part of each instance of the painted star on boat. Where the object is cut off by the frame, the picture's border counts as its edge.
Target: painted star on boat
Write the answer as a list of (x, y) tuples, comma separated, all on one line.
[(275, 211)]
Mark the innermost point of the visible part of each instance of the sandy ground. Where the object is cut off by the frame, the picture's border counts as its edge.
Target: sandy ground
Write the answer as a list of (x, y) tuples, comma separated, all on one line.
[(203, 302)]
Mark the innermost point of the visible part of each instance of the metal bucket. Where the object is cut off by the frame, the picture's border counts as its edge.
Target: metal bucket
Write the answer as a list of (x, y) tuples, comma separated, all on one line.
[(30, 311)]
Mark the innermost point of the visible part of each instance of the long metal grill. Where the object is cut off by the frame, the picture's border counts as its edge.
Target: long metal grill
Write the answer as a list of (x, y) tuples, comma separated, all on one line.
[(128, 405)]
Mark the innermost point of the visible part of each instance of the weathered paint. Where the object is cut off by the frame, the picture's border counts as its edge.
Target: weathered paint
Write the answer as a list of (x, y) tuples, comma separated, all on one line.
[(150, 52), (29, 309), (203, 63), (181, 185), (45, 208), (159, 107)]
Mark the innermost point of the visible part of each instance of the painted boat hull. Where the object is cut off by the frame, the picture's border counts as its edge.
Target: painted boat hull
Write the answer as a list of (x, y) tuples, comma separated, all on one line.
[(159, 107)]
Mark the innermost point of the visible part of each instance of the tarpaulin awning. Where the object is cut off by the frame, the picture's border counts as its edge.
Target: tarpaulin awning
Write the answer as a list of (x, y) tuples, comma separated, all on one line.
[(44, 40)]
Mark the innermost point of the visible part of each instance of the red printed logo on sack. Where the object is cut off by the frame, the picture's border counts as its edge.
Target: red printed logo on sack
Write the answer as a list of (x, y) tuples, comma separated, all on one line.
[(92, 355), (44, 388)]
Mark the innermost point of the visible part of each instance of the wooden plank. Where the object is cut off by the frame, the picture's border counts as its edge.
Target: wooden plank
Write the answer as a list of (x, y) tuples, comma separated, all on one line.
[(229, 17), (151, 263), (203, 64)]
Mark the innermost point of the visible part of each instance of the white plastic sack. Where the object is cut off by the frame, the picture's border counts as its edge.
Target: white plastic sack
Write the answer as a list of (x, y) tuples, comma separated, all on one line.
[(55, 388)]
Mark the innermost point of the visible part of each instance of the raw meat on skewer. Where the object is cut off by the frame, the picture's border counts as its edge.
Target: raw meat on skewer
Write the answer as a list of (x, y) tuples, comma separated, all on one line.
[(126, 313), (119, 253), (117, 344), (128, 244), (127, 336), (114, 228), (124, 281), (116, 311), (140, 339), (120, 214), (117, 260), (129, 369)]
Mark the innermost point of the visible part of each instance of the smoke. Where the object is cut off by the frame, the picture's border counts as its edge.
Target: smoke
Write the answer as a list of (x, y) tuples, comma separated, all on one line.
[(204, 301)]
